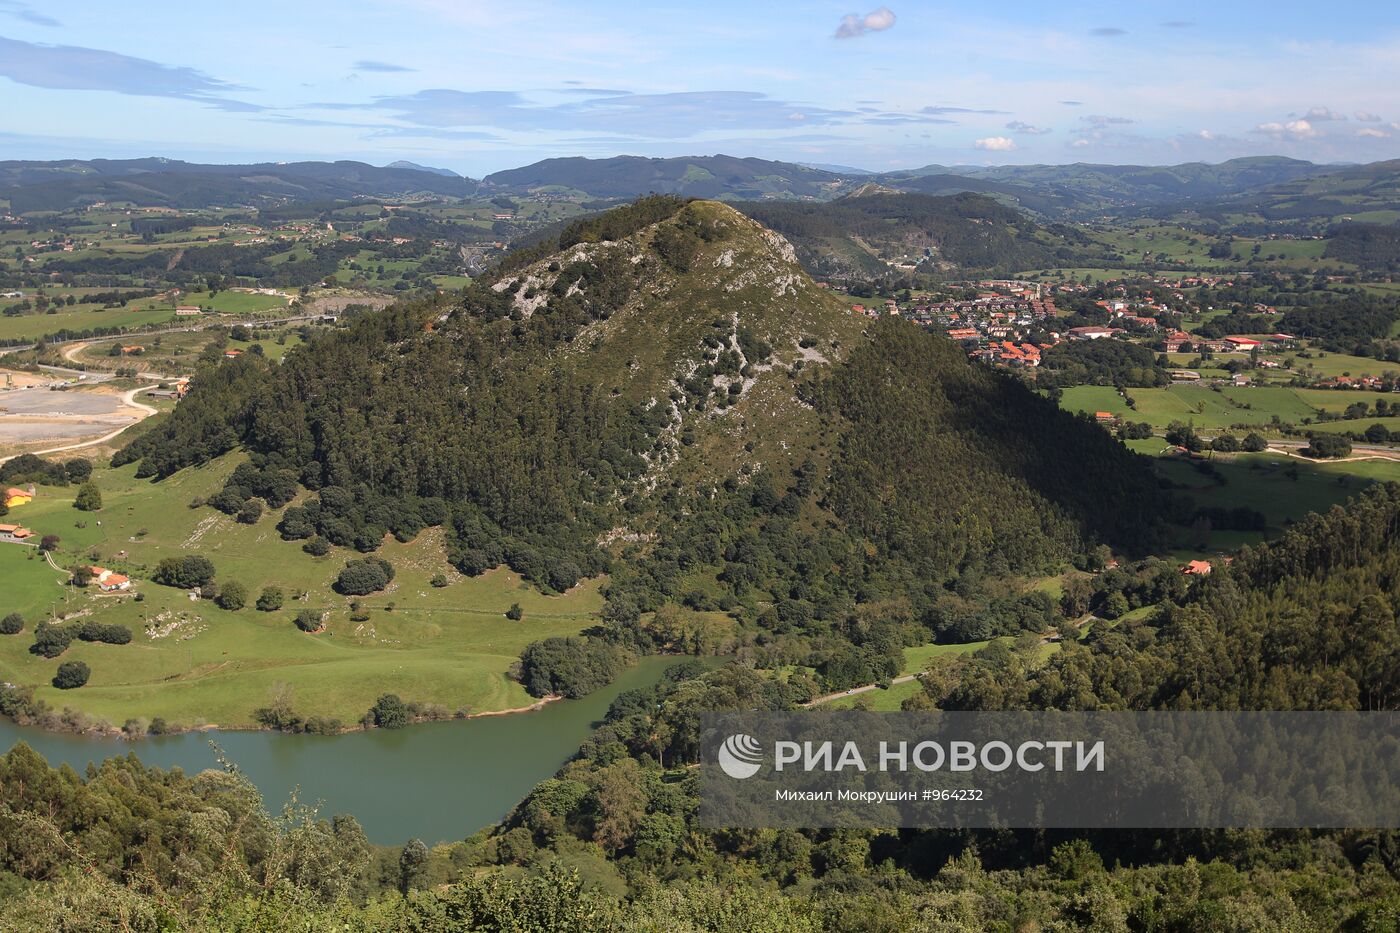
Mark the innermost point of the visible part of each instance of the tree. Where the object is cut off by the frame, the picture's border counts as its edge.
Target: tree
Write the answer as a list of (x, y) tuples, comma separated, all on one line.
[(309, 620), (389, 712), (71, 674), (12, 624), (270, 599), (317, 547), (250, 512), (51, 640), (89, 498), (184, 573), (1323, 445), (413, 862), (438, 581), (1225, 443), (233, 596), (362, 577), (515, 613), (1254, 443), (49, 542)]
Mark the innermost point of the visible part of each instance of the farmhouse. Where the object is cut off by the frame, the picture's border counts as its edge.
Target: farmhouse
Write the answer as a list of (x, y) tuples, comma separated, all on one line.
[(17, 497), (1196, 568), (187, 311), (108, 581), (15, 533)]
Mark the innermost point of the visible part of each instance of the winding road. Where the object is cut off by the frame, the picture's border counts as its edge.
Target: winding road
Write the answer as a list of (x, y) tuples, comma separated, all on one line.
[(129, 400)]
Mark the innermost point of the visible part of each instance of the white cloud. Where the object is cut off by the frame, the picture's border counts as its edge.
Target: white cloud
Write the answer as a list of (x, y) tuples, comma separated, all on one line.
[(1207, 135), (1371, 132), (1081, 143), (1323, 115), (853, 24), (1365, 116), (1293, 129), (996, 144), (1020, 126)]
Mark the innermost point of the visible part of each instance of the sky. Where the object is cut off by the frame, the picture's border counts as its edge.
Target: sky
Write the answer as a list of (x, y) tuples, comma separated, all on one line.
[(482, 85)]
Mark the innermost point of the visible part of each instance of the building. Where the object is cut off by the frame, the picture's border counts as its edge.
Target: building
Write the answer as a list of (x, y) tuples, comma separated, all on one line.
[(187, 311), (108, 581), (17, 497), (1105, 417), (15, 533), (1092, 333), (1242, 343), (1196, 568)]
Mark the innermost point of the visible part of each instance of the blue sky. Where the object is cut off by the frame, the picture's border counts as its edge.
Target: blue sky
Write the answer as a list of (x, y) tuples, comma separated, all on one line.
[(480, 85)]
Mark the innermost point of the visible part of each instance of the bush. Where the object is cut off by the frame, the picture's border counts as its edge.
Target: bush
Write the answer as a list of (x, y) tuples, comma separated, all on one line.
[(389, 712), (515, 613), (270, 599), (250, 512), (362, 577), (1254, 443), (71, 674), (438, 581), (89, 498), (308, 620), (51, 640), (317, 547), (12, 624), (233, 596), (184, 572), (1225, 443), (112, 634), (1325, 446)]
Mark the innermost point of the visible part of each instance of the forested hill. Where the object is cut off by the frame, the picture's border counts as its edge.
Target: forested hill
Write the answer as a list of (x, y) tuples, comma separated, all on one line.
[(717, 176), (861, 232), (668, 372), (56, 186)]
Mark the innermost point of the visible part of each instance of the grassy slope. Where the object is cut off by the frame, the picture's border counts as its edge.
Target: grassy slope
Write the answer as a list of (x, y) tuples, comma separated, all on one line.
[(451, 646)]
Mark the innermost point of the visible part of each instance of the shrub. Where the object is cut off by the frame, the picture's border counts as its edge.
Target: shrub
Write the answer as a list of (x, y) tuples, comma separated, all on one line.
[(389, 712), (89, 498), (12, 624), (1254, 443), (71, 674), (112, 634), (308, 620), (438, 581), (1322, 445), (362, 577), (51, 640), (270, 599), (515, 613), (250, 512), (317, 547), (184, 572), (233, 596)]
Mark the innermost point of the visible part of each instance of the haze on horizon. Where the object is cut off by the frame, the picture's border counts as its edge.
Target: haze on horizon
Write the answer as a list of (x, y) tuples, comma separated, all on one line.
[(482, 85)]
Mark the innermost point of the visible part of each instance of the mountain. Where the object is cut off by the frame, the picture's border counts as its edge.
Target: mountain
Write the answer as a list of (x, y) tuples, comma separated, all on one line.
[(1084, 188), (445, 172), (717, 176), (34, 186), (665, 373), (1359, 192), (865, 231), (836, 169)]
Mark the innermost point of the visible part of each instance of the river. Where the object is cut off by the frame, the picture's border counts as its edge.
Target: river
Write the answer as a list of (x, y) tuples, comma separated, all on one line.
[(436, 781)]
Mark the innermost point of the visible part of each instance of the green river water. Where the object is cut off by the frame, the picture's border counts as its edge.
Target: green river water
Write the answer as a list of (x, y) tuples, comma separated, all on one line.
[(437, 781)]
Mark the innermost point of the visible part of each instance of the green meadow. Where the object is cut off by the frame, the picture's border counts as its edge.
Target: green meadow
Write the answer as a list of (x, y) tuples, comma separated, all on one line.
[(192, 663)]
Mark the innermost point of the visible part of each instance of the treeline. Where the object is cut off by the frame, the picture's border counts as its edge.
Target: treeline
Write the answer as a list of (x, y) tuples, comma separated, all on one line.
[(1370, 246)]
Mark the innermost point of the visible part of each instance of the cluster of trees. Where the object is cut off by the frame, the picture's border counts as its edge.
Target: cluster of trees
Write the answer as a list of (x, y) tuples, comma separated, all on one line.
[(570, 667), (362, 577), (360, 517), (185, 573), (1100, 362), (28, 468), (51, 640)]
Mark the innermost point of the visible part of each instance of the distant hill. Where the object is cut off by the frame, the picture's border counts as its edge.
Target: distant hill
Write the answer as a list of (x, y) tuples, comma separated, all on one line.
[(716, 177), (860, 232), (1359, 192), (1082, 189), (154, 182), (446, 172)]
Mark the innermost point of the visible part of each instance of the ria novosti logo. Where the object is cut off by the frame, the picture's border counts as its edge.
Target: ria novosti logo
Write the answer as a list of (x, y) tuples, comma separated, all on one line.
[(740, 756)]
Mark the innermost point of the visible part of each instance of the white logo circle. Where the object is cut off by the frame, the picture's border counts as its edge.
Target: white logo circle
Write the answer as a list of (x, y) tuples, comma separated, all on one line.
[(740, 756)]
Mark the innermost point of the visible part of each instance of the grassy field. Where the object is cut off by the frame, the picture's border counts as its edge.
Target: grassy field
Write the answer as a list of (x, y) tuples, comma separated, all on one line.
[(1220, 409), (451, 646)]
